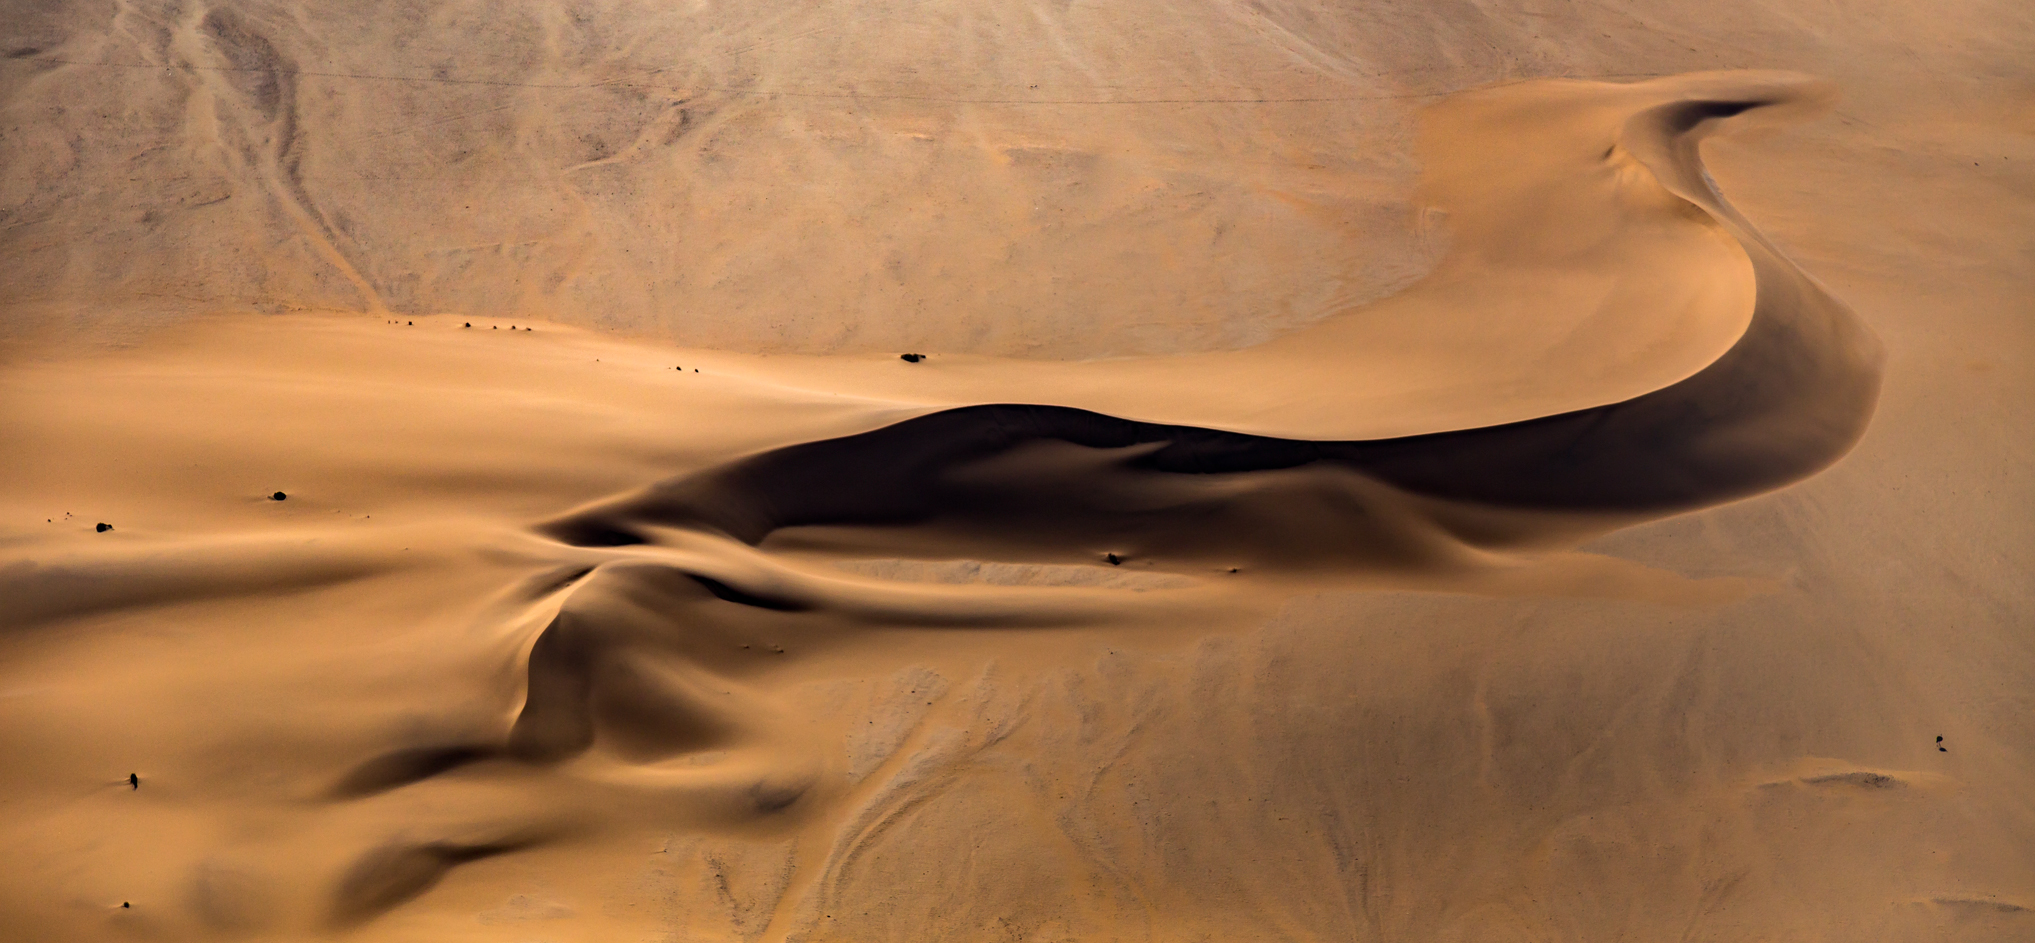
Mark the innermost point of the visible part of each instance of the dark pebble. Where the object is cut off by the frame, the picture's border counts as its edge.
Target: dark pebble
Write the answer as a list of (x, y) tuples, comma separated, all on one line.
[(278, 496), (102, 528), (911, 358), (1113, 559)]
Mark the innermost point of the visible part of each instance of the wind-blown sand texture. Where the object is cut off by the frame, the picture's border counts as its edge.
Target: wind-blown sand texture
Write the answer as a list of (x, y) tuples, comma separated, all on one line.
[(1365, 481)]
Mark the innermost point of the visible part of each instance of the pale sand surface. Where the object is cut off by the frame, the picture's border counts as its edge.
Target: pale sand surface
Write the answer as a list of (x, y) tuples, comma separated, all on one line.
[(1356, 490)]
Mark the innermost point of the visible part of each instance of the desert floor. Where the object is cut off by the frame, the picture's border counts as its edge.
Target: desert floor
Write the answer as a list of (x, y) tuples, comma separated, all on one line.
[(1391, 471)]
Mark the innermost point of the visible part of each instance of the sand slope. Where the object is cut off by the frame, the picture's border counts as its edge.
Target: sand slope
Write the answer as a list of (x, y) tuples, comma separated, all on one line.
[(1485, 599)]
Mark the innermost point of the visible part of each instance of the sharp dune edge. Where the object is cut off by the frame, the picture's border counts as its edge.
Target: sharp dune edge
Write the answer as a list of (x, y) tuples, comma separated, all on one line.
[(1483, 582)]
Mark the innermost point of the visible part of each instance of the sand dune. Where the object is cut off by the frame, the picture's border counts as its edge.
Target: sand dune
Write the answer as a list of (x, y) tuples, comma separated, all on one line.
[(1487, 584)]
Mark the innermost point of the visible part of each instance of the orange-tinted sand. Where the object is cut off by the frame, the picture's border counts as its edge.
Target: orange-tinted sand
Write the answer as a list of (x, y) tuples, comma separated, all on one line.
[(1410, 473)]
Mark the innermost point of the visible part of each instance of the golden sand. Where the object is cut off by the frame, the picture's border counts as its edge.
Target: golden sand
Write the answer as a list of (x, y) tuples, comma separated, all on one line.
[(1364, 478)]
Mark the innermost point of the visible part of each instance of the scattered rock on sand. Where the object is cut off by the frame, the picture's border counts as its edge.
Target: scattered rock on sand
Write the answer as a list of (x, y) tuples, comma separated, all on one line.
[(911, 358), (279, 496), (104, 527)]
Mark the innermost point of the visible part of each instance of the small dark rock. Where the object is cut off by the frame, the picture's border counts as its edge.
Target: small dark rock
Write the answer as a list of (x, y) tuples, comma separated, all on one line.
[(134, 780), (279, 496), (125, 905), (1113, 559), (911, 358), (102, 528), (467, 324)]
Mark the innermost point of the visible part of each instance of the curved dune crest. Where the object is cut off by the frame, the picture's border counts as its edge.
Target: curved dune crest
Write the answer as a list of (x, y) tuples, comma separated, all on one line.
[(1787, 397), (1589, 263)]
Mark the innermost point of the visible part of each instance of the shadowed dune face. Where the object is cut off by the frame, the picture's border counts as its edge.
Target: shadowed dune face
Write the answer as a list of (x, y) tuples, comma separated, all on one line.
[(693, 710), (1789, 397)]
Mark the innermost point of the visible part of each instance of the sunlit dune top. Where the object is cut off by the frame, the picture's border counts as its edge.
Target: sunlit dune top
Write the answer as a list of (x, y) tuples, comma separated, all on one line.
[(1574, 278)]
